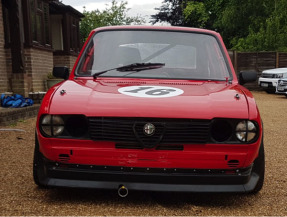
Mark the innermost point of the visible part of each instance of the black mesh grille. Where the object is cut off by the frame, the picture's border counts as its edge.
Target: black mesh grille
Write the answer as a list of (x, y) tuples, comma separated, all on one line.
[(266, 75), (167, 131)]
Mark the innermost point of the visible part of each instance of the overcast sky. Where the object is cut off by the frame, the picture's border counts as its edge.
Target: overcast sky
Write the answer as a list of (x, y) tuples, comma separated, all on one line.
[(145, 8)]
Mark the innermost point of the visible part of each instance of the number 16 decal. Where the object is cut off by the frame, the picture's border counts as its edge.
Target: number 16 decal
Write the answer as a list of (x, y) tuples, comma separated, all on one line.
[(150, 91)]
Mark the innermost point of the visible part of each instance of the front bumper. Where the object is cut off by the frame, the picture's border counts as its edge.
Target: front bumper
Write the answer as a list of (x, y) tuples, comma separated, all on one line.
[(147, 179), (281, 90), (268, 83)]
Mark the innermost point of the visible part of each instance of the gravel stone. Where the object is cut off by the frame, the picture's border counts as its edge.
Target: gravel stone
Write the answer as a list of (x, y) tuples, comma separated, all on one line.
[(21, 197)]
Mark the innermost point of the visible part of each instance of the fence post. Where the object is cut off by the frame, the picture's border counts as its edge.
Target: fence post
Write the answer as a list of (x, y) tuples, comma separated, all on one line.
[(277, 59), (235, 61)]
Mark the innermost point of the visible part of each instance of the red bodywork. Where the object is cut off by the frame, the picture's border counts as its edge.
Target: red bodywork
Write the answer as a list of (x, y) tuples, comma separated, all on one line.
[(201, 100)]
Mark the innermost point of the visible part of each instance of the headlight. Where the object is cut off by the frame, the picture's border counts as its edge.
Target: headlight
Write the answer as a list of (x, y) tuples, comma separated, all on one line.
[(278, 75), (221, 130), (52, 125), (246, 131), (77, 126)]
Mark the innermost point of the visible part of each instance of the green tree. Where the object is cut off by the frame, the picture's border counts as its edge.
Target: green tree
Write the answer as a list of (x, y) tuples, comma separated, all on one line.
[(192, 13), (245, 25), (239, 17), (271, 35), (171, 11), (112, 16), (195, 13)]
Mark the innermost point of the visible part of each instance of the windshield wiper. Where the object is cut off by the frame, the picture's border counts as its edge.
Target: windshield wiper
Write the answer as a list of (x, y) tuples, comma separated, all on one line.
[(132, 67)]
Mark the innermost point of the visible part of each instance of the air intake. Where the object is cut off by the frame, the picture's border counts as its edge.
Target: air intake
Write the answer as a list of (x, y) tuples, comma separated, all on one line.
[(64, 158), (233, 163)]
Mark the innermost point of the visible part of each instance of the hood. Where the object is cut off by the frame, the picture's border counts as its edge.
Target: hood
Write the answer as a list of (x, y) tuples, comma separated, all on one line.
[(150, 98), (275, 71)]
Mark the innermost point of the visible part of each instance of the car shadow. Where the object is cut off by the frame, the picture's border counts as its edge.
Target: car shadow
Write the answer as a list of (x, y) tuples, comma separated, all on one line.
[(135, 198)]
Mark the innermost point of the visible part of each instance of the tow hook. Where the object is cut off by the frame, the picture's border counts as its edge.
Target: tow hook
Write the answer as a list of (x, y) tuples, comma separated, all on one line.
[(123, 191)]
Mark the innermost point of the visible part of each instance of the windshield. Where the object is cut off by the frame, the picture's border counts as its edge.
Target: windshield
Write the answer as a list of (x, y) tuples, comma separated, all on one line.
[(183, 55)]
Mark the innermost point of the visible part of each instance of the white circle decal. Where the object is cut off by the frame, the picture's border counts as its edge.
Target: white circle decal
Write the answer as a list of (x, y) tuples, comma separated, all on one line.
[(151, 91)]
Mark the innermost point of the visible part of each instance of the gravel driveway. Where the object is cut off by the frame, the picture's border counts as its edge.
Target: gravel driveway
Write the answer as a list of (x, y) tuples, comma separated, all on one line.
[(20, 196)]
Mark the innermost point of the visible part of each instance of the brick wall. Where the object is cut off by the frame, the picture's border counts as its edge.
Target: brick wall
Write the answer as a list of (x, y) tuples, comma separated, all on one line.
[(20, 83), (38, 64), (4, 80), (66, 60)]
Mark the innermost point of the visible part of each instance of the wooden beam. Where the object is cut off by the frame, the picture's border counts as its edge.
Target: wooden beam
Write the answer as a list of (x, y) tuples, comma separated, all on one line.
[(17, 36), (27, 23)]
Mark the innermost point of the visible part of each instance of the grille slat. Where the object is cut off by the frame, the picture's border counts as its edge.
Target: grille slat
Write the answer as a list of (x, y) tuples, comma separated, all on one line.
[(167, 131), (267, 75), (186, 133)]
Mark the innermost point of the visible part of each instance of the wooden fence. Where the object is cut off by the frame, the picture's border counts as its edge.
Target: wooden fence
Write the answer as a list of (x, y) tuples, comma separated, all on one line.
[(257, 61)]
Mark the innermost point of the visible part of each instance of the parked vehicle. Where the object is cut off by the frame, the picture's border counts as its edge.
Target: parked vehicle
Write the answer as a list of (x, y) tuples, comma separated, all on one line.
[(282, 87), (151, 109), (269, 79)]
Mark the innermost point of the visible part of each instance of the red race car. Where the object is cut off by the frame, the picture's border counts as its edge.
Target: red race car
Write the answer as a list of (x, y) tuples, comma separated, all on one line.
[(151, 108)]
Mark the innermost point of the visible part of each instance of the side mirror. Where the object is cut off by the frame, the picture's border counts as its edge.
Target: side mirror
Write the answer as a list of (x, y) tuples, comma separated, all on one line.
[(61, 72), (247, 76)]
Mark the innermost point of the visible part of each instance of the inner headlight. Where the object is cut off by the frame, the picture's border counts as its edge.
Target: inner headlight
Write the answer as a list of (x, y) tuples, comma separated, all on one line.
[(221, 130), (246, 131), (52, 125)]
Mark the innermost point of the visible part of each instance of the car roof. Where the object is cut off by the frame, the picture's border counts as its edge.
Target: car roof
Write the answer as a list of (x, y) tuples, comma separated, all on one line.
[(162, 28)]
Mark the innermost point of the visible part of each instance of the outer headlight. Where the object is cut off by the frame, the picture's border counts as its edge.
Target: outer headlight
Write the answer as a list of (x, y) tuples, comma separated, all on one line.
[(52, 125), (280, 75), (246, 131)]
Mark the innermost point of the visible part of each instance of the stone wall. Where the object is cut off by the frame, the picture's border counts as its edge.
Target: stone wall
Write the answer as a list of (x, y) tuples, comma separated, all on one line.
[(13, 115)]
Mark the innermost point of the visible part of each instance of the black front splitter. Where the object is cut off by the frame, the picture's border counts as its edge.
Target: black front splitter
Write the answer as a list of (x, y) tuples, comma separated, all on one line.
[(146, 179), (248, 187)]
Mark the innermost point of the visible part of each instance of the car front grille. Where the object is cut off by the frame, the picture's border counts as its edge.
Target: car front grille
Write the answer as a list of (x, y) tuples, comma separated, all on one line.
[(266, 75), (131, 131), (282, 83)]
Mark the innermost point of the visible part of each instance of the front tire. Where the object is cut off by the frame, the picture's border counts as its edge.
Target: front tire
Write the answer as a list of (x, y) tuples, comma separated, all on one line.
[(270, 91), (38, 165), (259, 168)]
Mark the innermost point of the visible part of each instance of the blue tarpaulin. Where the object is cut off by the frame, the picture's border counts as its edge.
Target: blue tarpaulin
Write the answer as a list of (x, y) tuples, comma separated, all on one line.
[(15, 101)]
